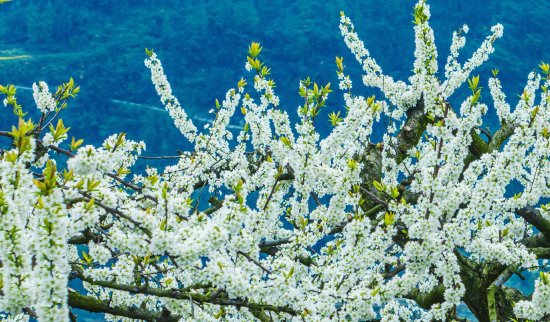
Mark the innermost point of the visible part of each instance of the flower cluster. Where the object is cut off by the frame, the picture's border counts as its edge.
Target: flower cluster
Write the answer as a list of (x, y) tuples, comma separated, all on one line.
[(276, 222), (171, 103), (539, 306), (43, 98)]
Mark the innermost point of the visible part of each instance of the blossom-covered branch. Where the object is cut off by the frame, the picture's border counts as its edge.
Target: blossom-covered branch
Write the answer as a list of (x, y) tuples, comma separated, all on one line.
[(277, 222)]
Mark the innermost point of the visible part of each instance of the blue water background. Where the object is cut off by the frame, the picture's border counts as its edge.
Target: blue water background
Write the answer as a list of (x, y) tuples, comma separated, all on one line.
[(202, 45)]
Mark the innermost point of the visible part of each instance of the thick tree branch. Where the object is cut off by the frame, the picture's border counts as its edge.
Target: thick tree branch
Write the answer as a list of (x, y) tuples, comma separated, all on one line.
[(412, 130), (535, 218), (426, 300), (500, 136), (220, 299), (535, 241), (541, 252), (85, 237), (90, 304), (478, 147)]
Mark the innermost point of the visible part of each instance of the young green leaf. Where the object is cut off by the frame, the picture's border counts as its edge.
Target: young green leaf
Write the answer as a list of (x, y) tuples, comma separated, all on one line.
[(379, 186)]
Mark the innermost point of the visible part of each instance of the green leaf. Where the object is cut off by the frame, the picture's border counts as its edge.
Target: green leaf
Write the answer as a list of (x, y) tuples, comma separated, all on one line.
[(334, 118), (59, 131), (394, 192), (379, 186), (302, 92), (286, 141), (241, 83), (239, 185), (254, 49), (91, 185), (327, 89), (370, 100), (265, 71), (505, 232), (79, 184), (545, 67), (88, 207), (302, 222), (545, 278), (375, 107), (68, 175), (389, 218), (340, 63), (220, 314), (75, 144), (40, 185), (123, 171), (534, 112), (256, 64), (419, 16), (290, 273), (87, 258), (39, 203), (352, 164), (476, 96), (164, 191), (473, 82)]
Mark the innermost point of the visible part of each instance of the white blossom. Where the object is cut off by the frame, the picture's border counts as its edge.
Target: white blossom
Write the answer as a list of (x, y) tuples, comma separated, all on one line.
[(43, 98), (280, 222)]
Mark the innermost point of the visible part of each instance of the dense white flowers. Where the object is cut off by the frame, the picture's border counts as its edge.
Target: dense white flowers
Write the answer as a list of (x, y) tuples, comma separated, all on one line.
[(171, 103), (277, 222), (540, 305), (42, 97), (15, 242)]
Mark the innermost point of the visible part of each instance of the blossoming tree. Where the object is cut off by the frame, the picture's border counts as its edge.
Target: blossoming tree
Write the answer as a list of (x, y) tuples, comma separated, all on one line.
[(296, 227)]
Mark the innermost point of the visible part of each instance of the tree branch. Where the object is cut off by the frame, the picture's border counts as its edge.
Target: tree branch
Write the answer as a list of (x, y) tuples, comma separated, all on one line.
[(412, 130), (426, 300), (500, 136), (541, 252), (221, 299), (270, 246), (537, 240), (90, 304), (535, 218)]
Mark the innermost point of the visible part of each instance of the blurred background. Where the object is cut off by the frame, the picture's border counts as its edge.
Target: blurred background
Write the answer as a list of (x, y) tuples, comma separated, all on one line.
[(203, 46)]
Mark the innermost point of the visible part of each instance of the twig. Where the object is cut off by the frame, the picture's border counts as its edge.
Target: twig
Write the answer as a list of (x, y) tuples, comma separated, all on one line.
[(160, 157), (398, 269), (271, 194), (375, 197), (254, 261)]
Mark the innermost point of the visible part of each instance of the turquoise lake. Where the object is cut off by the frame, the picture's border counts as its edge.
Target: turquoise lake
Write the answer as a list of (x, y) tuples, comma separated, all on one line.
[(203, 46)]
